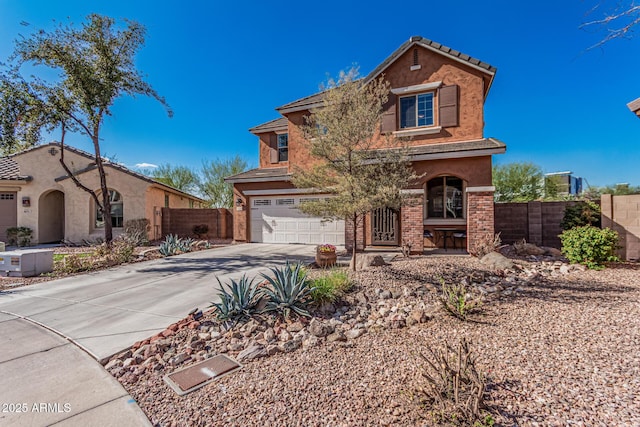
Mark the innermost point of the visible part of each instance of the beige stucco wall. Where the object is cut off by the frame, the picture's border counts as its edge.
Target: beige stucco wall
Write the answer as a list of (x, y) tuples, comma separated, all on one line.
[(140, 197)]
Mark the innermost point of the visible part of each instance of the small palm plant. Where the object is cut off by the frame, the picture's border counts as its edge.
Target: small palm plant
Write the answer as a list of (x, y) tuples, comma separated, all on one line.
[(288, 290), (238, 300)]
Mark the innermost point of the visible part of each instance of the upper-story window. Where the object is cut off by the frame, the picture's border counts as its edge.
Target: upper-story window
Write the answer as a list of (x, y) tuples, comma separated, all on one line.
[(283, 147), (416, 110)]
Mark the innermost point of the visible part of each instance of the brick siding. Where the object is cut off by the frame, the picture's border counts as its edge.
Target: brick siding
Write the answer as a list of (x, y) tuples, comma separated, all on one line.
[(411, 223), (480, 217)]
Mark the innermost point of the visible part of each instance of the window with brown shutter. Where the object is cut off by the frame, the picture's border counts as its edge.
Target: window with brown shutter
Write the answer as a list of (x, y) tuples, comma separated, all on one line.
[(273, 148), (388, 123), (448, 102)]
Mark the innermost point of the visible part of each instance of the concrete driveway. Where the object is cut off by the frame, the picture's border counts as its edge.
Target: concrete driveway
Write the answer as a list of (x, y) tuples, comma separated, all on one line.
[(107, 311)]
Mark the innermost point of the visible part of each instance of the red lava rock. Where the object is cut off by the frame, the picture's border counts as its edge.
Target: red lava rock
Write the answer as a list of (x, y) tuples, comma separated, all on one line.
[(174, 327), (167, 333), (136, 345), (194, 325), (155, 338)]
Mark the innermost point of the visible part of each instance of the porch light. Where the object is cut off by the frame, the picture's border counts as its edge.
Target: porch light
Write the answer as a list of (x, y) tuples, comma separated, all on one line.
[(239, 201)]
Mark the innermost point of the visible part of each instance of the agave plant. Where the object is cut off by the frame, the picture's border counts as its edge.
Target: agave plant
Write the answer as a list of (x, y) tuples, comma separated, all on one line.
[(238, 300), (186, 244), (170, 246), (289, 290)]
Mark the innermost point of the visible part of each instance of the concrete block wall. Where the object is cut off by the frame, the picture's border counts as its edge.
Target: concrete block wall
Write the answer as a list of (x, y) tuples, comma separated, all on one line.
[(622, 214), (181, 222)]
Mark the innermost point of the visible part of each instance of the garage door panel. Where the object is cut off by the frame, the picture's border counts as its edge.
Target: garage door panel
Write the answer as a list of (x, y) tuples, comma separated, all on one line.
[(276, 220)]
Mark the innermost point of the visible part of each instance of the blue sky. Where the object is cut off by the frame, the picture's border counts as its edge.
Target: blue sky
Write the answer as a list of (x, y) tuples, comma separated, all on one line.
[(225, 66)]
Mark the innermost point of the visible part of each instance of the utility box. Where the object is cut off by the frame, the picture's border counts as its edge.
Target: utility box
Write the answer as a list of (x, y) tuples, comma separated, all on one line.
[(2, 247), (26, 263)]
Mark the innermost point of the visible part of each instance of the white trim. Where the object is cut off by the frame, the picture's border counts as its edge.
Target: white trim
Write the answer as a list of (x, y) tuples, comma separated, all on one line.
[(416, 67), (416, 88), (280, 191), (457, 154), (481, 189), (418, 131), (412, 191)]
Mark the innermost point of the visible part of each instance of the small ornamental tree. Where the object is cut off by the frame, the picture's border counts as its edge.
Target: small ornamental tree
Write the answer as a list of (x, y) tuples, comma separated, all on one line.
[(342, 137), (95, 66)]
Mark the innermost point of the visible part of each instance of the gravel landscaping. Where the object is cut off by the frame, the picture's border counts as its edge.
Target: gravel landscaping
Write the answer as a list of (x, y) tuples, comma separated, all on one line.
[(558, 345)]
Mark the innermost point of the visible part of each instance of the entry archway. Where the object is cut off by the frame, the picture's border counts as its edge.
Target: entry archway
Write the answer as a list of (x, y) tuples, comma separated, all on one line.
[(51, 217)]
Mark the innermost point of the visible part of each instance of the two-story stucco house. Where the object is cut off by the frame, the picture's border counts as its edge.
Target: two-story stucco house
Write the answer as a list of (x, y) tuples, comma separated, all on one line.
[(36, 192), (437, 99)]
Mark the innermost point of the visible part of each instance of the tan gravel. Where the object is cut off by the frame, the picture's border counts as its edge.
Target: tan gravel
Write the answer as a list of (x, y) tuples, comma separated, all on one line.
[(565, 351)]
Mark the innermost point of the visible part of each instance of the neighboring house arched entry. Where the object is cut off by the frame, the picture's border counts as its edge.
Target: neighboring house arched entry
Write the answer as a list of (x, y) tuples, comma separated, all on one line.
[(51, 217)]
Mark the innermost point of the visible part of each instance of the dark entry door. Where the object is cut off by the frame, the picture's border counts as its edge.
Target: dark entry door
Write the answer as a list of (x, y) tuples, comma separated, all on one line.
[(8, 213), (384, 223)]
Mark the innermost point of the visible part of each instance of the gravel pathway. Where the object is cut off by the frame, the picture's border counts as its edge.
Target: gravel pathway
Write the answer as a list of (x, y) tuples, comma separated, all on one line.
[(564, 351)]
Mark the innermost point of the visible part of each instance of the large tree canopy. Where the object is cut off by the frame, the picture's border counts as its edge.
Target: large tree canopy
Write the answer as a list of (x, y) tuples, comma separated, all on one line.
[(95, 66), (217, 192), (518, 182), (342, 137)]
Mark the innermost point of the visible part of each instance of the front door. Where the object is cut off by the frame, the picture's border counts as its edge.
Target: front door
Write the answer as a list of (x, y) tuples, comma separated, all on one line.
[(384, 227)]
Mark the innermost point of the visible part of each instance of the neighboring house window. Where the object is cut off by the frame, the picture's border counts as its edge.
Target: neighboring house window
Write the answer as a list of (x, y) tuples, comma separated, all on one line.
[(190, 203), (445, 197), (283, 147), (416, 110), (117, 211), (166, 200)]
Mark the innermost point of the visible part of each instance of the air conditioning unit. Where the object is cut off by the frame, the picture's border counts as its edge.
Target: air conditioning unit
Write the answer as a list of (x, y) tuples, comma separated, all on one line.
[(26, 263)]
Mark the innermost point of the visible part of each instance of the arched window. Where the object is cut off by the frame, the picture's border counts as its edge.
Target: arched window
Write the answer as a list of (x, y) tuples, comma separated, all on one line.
[(445, 198), (117, 211)]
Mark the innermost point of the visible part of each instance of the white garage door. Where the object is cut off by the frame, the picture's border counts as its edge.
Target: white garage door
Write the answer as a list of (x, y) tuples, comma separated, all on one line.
[(277, 219)]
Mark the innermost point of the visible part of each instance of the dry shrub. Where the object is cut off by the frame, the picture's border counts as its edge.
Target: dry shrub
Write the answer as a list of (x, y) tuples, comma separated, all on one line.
[(485, 245), (136, 231), (454, 388)]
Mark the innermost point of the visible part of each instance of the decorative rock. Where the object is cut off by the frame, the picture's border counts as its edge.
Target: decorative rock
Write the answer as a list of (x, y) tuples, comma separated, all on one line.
[(253, 352), (310, 342), (269, 335), (295, 327), (289, 346), (179, 359), (352, 334), (284, 336), (319, 329), (497, 261), (336, 336), (273, 349), (113, 363), (420, 316), (564, 269), (205, 336), (397, 321), (365, 261)]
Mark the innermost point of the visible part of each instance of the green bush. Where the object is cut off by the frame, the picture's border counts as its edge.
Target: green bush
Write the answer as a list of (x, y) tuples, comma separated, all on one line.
[(580, 214), (330, 287), (19, 236), (589, 245), (288, 290)]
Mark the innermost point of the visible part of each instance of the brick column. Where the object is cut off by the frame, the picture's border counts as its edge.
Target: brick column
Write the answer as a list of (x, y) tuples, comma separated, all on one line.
[(411, 220), (480, 215), (240, 219), (348, 235)]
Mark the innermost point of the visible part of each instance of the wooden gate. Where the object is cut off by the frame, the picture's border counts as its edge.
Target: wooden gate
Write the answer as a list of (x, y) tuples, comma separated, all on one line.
[(384, 227), (8, 213)]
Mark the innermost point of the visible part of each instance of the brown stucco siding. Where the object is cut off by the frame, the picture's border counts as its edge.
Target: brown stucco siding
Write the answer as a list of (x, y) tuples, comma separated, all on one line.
[(265, 151), (475, 171)]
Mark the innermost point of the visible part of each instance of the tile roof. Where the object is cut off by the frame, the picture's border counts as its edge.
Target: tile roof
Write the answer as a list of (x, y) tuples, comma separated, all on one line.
[(8, 160), (453, 147), (9, 170), (265, 174), (315, 99), (634, 106), (273, 125)]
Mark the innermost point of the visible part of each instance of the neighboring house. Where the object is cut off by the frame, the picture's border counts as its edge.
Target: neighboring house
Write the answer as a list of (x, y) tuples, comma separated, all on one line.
[(634, 106), (437, 98), (36, 192), (566, 184)]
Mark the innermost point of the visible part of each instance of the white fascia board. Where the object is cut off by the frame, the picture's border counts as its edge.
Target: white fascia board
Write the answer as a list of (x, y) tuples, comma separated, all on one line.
[(458, 154), (280, 191), (482, 189), (416, 88)]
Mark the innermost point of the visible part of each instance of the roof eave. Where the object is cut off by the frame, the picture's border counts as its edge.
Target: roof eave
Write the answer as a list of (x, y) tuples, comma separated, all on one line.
[(233, 180)]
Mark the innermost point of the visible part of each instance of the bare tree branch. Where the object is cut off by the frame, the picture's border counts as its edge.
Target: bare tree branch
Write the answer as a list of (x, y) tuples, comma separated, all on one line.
[(618, 24)]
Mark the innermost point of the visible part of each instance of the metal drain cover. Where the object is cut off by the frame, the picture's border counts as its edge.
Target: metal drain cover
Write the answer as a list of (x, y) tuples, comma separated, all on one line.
[(193, 377)]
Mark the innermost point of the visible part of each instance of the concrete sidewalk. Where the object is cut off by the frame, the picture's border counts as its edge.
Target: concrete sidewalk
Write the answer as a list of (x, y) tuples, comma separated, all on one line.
[(46, 380), (43, 367)]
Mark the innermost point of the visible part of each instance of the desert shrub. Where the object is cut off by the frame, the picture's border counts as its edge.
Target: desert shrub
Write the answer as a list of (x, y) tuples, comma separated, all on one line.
[(485, 245), (288, 290), (73, 263), (454, 389), (121, 251), (580, 214), (330, 286), (458, 301), (200, 230), (589, 245), (19, 236), (136, 231), (238, 300)]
